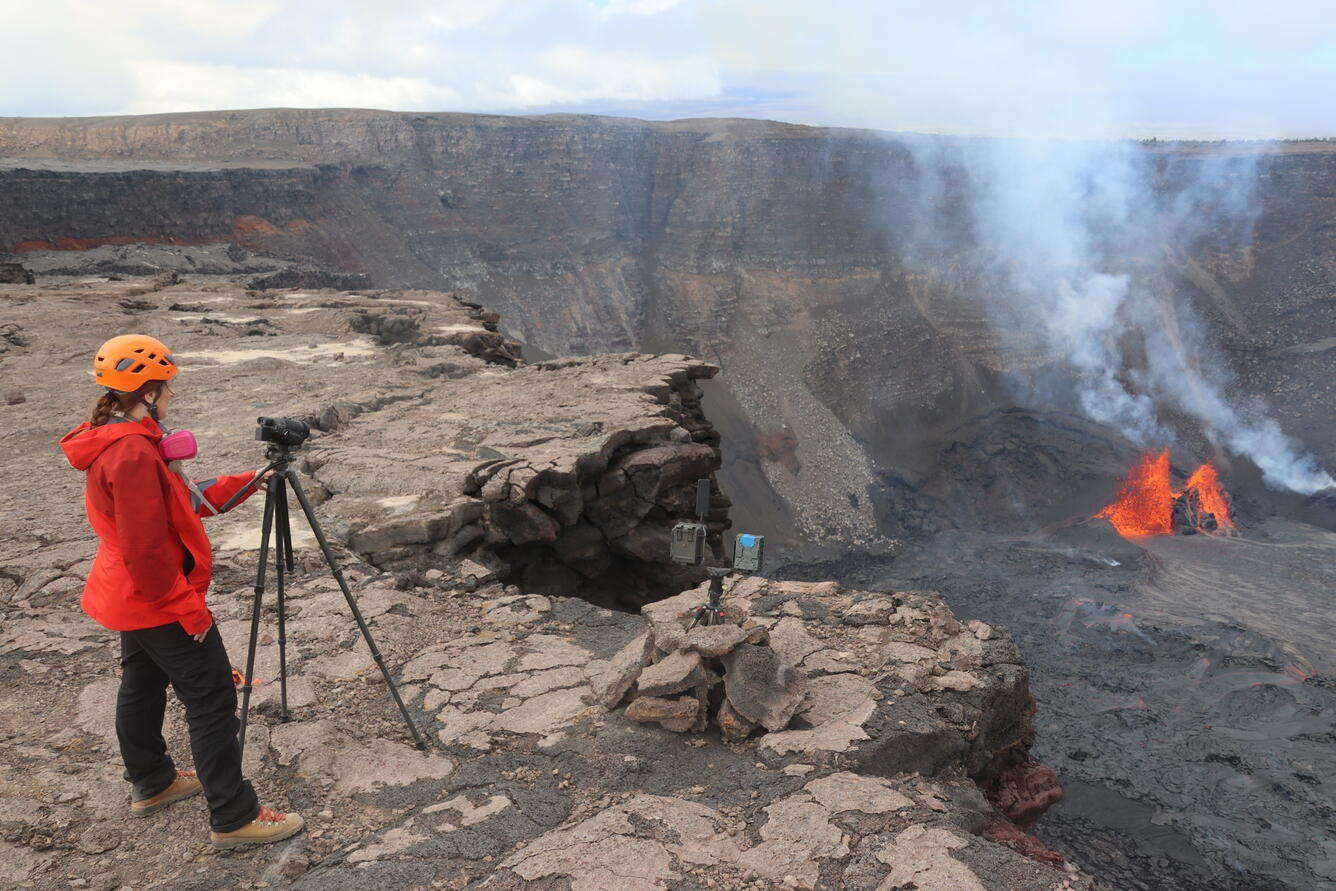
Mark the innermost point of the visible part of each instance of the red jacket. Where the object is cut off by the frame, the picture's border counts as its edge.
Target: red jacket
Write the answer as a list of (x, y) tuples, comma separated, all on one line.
[(153, 563)]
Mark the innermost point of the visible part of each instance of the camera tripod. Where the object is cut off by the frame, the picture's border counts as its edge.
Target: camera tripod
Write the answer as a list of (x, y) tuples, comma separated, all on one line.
[(276, 521)]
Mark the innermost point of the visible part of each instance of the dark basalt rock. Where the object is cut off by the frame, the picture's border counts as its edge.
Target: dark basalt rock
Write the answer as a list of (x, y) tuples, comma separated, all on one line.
[(15, 274)]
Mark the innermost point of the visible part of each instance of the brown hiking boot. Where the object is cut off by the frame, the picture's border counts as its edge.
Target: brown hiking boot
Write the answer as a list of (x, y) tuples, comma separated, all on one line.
[(268, 826), (184, 786)]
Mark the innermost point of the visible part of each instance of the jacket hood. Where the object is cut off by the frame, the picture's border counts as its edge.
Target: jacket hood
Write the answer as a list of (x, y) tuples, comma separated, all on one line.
[(84, 443)]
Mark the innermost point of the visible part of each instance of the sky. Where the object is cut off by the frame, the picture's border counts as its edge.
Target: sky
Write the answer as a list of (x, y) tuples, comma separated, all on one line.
[(1068, 68)]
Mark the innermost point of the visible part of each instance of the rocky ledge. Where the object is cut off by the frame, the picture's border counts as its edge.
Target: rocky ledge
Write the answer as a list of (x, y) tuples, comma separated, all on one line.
[(432, 437)]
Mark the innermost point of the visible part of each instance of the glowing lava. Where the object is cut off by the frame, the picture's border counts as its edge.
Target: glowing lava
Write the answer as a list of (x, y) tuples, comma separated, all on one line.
[(1204, 484), (1145, 504)]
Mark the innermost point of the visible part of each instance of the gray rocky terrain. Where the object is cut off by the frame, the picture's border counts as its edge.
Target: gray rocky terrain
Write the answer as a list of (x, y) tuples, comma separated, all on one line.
[(837, 738)]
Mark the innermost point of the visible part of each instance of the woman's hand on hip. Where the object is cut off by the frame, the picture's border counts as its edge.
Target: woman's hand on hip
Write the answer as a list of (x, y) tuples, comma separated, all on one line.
[(199, 638)]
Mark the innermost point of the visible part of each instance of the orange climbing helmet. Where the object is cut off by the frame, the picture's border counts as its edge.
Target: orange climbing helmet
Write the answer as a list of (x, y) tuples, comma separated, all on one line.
[(127, 362)]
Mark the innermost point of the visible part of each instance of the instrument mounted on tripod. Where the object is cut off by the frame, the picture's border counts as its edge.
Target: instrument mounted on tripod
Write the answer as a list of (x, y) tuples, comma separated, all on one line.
[(687, 546), (286, 433)]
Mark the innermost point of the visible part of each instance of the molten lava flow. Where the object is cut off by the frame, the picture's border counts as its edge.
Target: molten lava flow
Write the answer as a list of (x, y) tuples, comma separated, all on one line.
[(1205, 484), (1145, 504)]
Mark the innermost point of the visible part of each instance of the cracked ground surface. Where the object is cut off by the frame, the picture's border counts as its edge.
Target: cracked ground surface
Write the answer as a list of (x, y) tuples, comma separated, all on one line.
[(527, 783)]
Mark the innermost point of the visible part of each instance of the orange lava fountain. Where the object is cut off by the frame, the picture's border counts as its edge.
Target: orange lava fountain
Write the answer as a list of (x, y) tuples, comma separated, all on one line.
[(1145, 504), (1205, 482)]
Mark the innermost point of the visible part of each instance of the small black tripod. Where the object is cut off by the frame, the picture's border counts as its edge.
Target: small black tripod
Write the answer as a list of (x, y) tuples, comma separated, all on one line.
[(280, 460), (712, 611)]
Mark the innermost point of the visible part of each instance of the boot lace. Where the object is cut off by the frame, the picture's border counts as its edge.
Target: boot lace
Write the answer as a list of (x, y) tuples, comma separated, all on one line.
[(270, 816)]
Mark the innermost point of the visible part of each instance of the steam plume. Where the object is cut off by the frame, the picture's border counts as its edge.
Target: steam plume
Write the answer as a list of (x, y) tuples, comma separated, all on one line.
[(1072, 247)]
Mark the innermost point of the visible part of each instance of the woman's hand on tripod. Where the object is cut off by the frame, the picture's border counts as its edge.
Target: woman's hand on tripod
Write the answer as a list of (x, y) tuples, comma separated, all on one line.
[(263, 485), (199, 638)]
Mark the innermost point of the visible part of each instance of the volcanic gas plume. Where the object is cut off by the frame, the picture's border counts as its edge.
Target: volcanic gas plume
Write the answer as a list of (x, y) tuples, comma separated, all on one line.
[(1148, 505)]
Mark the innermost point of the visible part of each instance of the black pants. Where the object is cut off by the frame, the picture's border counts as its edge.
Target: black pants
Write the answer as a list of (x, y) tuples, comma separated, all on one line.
[(202, 677)]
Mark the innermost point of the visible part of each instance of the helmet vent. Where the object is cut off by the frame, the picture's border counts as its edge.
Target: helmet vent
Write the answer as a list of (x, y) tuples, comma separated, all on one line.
[(125, 363)]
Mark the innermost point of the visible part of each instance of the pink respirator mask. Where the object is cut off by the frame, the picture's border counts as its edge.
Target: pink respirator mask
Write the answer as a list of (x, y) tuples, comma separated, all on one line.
[(178, 445)]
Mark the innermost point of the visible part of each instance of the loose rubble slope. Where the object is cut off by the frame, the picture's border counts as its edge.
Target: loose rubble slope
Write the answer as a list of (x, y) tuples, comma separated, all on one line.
[(537, 777)]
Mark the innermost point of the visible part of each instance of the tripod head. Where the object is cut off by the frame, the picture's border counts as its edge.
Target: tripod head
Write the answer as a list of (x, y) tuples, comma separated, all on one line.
[(279, 457)]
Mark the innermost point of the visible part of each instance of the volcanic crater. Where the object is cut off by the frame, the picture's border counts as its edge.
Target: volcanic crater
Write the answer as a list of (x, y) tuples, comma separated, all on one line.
[(874, 417)]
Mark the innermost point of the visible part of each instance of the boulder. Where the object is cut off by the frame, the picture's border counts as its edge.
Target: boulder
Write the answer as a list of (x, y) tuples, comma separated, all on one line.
[(623, 670), (717, 640), (15, 274), (734, 726), (761, 687)]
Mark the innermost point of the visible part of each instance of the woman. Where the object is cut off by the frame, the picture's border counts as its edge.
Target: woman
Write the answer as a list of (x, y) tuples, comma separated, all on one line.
[(148, 582)]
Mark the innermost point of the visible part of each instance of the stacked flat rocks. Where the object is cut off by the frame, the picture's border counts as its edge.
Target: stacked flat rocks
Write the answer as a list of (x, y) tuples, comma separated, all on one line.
[(889, 680), (684, 675)]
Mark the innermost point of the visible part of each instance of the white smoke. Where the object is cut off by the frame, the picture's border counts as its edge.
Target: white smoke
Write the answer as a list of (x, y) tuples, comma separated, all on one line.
[(1072, 247)]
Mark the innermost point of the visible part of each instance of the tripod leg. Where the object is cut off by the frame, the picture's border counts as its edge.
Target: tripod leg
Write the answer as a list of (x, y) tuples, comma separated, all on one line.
[(352, 605), (281, 516), (255, 615), (282, 556)]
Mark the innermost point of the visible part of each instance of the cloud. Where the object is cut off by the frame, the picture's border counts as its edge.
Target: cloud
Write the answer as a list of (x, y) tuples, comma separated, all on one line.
[(1056, 68), (1045, 67), (181, 86), (148, 56)]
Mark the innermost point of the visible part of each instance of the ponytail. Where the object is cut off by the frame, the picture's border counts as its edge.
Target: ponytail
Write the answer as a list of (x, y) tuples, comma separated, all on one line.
[(111, 402), (102, 409)]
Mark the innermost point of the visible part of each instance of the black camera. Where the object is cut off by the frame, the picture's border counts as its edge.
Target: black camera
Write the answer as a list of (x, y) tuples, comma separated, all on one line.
[(288, 433)]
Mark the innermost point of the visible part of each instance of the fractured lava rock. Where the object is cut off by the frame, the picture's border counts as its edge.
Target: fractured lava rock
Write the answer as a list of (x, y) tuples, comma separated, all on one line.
[(885, 683), (855, 729), (875, 783)]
